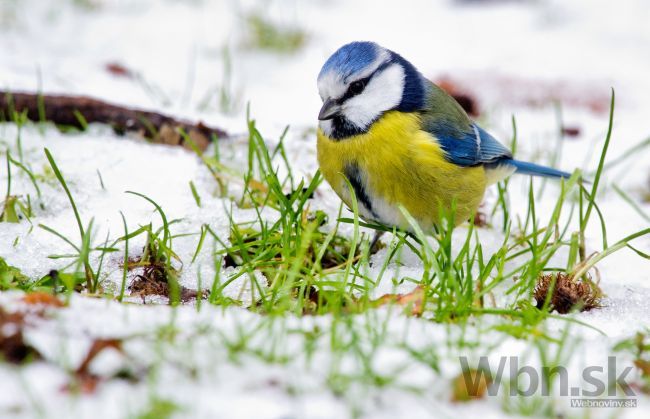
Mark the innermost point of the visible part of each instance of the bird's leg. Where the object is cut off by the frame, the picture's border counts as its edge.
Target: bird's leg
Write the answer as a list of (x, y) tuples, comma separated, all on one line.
[(374, 248)]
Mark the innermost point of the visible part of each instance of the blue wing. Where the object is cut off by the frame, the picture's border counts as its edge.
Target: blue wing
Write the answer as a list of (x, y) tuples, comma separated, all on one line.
[(466, 144), (470, 148), (480, 148)]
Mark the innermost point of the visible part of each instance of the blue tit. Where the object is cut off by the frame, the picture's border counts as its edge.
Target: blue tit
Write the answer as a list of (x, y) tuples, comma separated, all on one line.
[(399, 140)]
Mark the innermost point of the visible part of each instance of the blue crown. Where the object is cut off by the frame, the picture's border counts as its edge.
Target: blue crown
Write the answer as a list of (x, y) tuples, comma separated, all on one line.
[(351, 58)]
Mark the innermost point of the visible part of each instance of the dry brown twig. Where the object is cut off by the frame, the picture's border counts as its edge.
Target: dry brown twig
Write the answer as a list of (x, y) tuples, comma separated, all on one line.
[(76, 111)]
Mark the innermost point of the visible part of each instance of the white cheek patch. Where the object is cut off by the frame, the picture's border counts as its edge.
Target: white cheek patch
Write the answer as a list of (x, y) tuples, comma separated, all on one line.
[(330, 85), (383, 92), (326, 127)]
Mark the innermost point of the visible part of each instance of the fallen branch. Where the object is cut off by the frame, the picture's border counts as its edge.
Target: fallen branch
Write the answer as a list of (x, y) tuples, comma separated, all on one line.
[(78, 111)]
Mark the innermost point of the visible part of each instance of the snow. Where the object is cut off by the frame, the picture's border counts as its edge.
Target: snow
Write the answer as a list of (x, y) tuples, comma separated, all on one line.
[(176, 50)]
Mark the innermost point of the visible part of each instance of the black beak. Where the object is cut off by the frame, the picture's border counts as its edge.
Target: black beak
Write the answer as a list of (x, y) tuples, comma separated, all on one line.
[(329, 110)]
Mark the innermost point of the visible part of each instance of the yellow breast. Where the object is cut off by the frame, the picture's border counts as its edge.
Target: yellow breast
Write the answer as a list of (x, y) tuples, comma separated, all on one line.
[(398, 163)]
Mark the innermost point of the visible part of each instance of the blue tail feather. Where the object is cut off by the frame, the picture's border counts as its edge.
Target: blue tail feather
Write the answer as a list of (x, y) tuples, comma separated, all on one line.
[(526, 168)]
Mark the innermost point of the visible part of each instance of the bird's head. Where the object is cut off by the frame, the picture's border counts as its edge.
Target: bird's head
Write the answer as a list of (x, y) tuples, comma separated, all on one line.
[(360, 82)]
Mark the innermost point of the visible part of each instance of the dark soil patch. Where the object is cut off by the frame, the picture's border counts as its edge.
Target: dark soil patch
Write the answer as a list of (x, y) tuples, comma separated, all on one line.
[(154, 280), (12, 345)]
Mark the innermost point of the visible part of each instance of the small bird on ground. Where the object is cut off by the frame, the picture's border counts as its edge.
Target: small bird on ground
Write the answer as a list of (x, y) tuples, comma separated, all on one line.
[(398, 139)]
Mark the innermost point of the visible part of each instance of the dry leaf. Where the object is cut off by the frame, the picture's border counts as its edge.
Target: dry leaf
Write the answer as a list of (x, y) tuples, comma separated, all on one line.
[(118, 70), (167, 134), (198, 138), (414, 300), (643, 366), (42, 298), (12, 345), (469, 385), (571, 131), (85, 381)]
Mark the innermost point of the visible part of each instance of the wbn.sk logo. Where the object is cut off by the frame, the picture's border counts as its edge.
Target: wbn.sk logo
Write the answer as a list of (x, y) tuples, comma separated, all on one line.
[(527, 381)]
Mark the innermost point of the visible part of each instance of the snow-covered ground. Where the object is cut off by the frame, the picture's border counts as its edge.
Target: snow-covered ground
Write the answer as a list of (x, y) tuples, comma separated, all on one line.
[(216, 362)]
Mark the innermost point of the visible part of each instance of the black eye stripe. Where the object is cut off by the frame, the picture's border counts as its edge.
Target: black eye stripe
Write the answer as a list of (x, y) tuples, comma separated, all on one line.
[(351, 88), (357, 86), (351, 92)]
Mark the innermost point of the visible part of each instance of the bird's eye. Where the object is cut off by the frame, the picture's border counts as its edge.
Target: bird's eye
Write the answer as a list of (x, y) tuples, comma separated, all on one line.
[(357, 87)]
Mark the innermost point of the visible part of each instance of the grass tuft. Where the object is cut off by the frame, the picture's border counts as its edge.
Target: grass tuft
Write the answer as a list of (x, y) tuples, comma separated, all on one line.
[(158, 276), (264, 34), (84, 251), (639, 347), (11, 277)]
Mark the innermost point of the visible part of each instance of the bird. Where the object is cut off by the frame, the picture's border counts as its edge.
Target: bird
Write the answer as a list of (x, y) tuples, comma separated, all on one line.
[(402, 144)]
